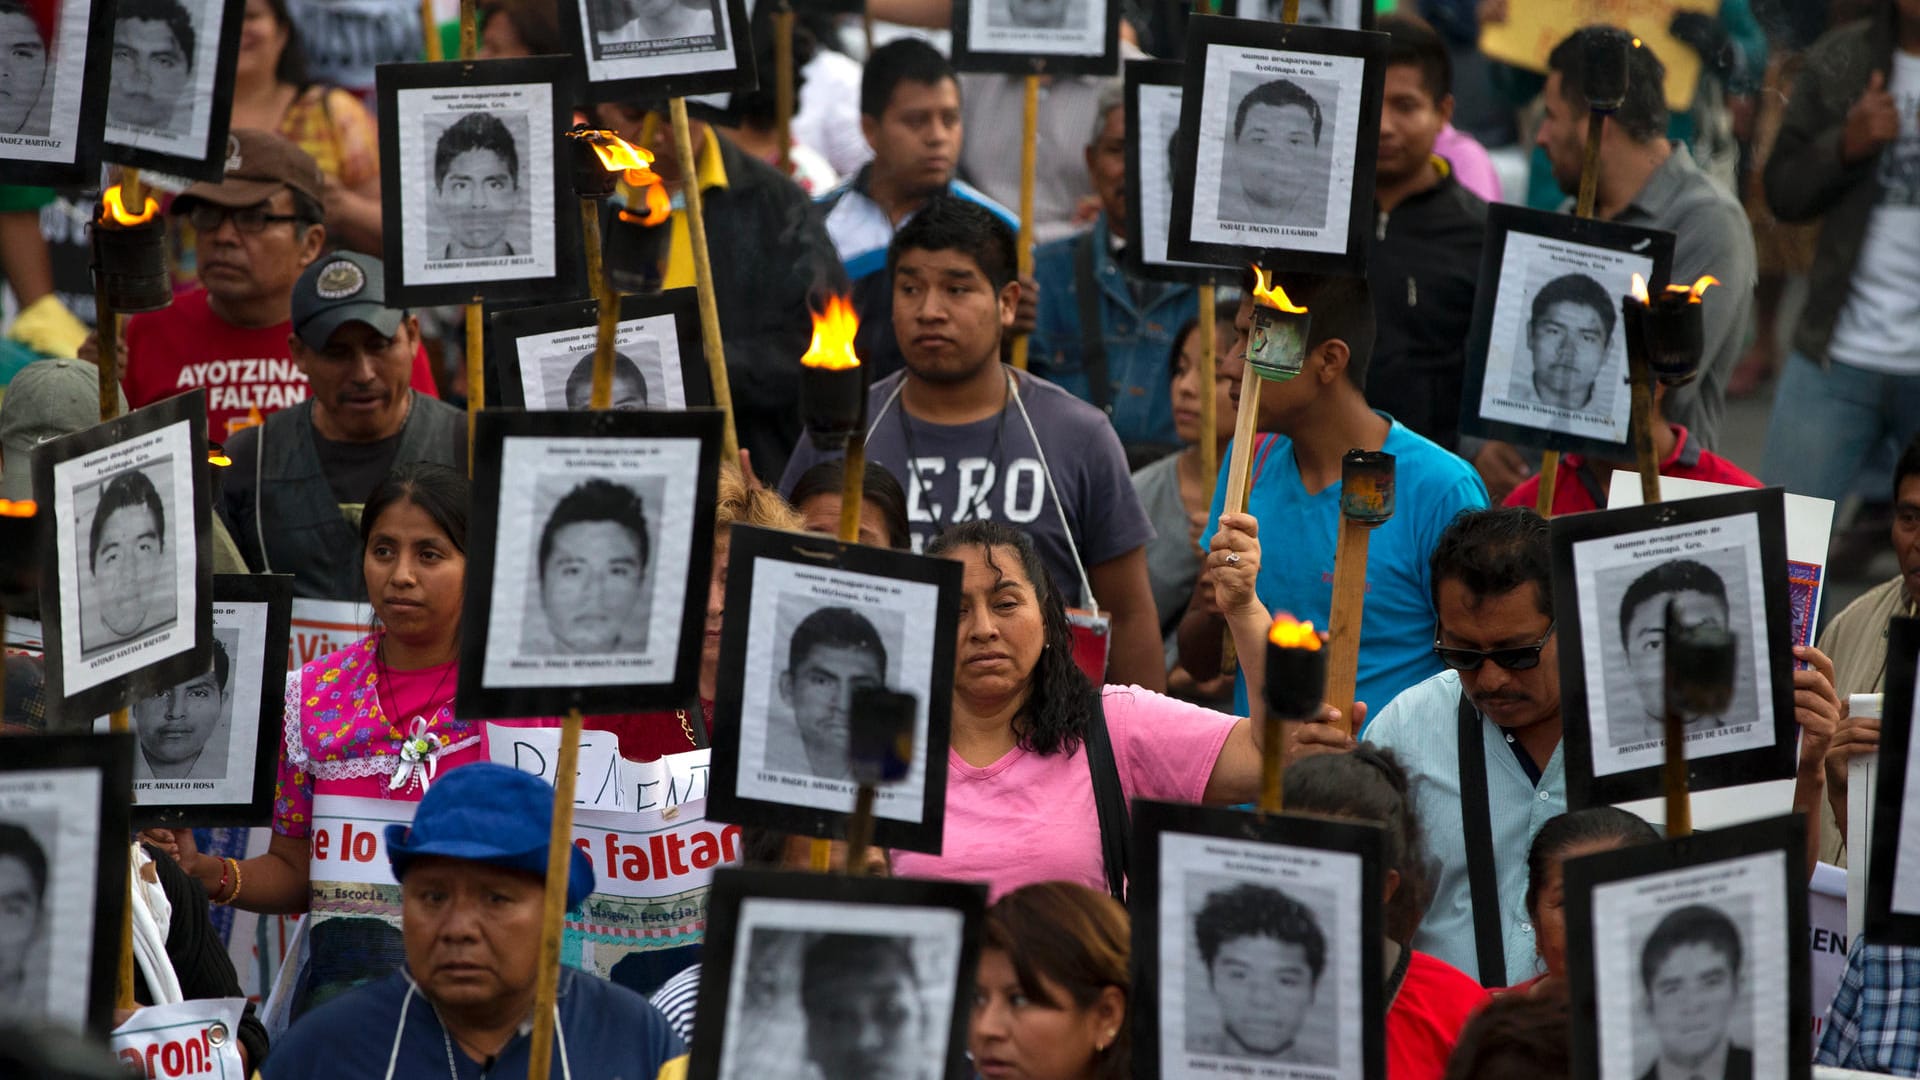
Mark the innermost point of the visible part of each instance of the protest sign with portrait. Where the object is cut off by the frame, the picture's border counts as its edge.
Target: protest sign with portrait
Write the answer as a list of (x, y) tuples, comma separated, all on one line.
[(126, 606), (171, 98), (650, 50), (1256, 945), (473, 203), (543, 356), (1689, 951), (793, 962), (1716, 561), (1280, 129), (1343, 14), (822, 620), (1547, 356), (1153, 89), (587, 574), (53, 97), (1034, 37), (1893, 869)]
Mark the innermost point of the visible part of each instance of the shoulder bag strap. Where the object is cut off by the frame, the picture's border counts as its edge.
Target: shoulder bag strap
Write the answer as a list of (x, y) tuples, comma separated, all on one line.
[(1109, 801), (1490, 946), (1093, 346)]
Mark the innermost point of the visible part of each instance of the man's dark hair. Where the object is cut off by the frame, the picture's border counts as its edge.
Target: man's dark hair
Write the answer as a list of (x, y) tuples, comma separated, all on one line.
[(878, 489), (20, 8), (170, 12), (581, 377), (835, 628), (1278, 93), (1249, 910), (1341, 308), (901, 60), (130, 490), (1643, 115), (1411, 40), (1677, 576), (1695, 924), (596, 500), (831, 955), (1576, 289), (1516, 1037), (17, 843), (475, 131), (1908, 465), (1580, 828), (307, 209), (950, 223), (1493, 552)]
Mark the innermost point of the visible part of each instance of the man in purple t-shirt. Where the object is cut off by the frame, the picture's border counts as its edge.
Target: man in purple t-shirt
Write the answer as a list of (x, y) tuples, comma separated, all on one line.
[(970, 438)]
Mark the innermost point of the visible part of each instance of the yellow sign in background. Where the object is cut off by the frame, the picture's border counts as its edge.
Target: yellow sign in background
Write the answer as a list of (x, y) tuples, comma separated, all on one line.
[(1534, 27)]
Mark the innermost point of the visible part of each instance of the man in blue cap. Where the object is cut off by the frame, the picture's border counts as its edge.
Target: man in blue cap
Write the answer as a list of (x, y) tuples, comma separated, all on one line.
[(471, 869)]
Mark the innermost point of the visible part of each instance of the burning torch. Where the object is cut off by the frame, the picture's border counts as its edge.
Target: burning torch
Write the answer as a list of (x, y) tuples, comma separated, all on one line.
[(1665, 340), (635, 246), (1698, 659), (1295, 685), (1366, 502), (129, 274)]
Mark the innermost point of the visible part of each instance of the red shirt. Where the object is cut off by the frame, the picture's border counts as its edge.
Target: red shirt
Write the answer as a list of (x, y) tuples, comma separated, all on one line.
[(1572, 495), (1427, 1015), (247, 372), (650, 736)]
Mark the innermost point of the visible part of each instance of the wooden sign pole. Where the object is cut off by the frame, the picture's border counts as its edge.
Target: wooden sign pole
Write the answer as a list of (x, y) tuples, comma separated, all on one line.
[(1366, 503), (783, 85), (1029, 148), (475, 317), (703, 278), (553, 916)]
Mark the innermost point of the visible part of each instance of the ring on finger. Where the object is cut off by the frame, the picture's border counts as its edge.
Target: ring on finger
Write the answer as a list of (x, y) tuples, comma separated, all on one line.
[(1233, 558)]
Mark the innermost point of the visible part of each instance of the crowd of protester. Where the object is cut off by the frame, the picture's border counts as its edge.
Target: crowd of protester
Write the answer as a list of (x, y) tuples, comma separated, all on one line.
[(1076, 484)]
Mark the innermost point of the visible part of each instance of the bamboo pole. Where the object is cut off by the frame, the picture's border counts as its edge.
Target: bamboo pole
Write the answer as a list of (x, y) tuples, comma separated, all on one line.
[(606, 307), (1583, 207), (476, 322), (1029, 148), (553, 915), (1344, 618), (852, 490), (703, 278), (430, 33), (1641, 426)]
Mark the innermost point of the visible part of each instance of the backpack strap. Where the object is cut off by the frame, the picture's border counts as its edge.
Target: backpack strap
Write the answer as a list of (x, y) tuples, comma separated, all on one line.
[(1490, 946), (1109, 801)]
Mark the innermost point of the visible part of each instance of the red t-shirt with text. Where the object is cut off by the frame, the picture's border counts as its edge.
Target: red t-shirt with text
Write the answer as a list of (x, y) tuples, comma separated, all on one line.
[(247, 372)]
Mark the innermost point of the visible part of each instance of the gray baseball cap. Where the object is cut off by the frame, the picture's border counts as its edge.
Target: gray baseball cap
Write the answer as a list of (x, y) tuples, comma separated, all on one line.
[(45, 400), (338, 288)]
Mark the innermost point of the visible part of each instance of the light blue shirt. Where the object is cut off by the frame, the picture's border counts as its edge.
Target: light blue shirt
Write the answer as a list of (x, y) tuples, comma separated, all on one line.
[(1422, 727), (1299, 534)]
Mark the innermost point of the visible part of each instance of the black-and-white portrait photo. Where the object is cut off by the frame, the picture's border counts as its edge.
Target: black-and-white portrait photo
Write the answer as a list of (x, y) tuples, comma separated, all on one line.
[(830, 978), (172, 83), (556, 370), (1692, 969), (128, 553), (661, 47), (1260, 951), (1706, 574), (185, 730), (63, 829), (1055, 36), (1339, 14), (475, 180), (1153, 119), (53, 90), (1284, 124), (583, 577), (815, 636), (1557, 353), (824, 622)]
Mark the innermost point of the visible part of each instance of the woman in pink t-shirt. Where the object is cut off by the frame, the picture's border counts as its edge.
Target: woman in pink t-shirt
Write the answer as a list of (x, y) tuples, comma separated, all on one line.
[(1027, 726)]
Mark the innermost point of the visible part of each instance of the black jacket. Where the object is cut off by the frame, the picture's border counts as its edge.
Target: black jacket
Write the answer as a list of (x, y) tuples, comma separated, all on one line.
[(1806, 178), (770, 254), (1422, 264)]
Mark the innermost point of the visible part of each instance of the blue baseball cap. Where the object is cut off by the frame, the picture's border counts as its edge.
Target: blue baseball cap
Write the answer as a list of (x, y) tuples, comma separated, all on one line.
[(491, 814)]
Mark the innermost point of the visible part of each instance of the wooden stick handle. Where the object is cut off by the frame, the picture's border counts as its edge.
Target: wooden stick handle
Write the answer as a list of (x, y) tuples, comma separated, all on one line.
[(108, 334), (430, 33), (1641, 425), (853, 480), (1549, 481), (553, 916), (1674, 777), (1209, 369), (469, 28), (120, 721), (476, 375), (1344, 618), (1029, 140), (703, 279), (860, 829), (1590, 165), (783, 86), (1246, 425)]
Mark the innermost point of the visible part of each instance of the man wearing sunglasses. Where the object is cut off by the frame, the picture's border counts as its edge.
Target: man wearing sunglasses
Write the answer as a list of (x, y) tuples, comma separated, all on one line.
[(253, 232)]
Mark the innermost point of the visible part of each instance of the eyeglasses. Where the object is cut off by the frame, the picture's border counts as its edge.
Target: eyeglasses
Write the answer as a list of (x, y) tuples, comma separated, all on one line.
[(206, 217), (1516, 658)]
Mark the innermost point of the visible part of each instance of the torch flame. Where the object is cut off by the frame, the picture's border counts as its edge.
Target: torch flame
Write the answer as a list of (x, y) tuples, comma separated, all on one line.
[(658, 206), (114, 208), (1272, 295), (1639, 291), (1693, 291), (18, 508), (218, 457), (833, 332), (1290, 633)]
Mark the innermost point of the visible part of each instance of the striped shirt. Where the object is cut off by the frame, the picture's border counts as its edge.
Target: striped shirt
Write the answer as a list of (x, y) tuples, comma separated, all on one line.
[(1421, 728), (676, 999), (861, 230)]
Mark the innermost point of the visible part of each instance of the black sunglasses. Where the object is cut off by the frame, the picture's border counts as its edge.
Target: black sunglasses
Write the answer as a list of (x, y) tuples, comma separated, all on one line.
[(1517, 658)]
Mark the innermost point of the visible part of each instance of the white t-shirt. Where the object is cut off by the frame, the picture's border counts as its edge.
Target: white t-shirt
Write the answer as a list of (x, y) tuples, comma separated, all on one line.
[(1875, 330)]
